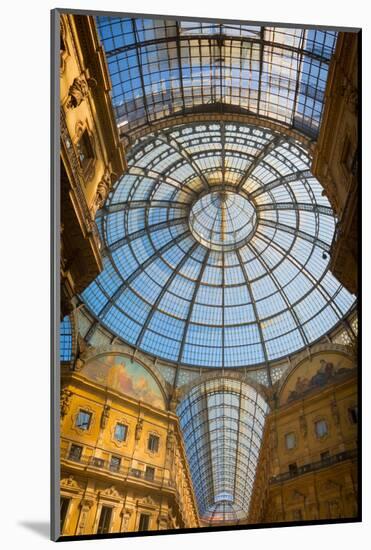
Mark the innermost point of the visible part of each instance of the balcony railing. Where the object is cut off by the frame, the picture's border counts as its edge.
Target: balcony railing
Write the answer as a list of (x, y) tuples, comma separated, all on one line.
[(78, 180), (124, 471), (313, 466)]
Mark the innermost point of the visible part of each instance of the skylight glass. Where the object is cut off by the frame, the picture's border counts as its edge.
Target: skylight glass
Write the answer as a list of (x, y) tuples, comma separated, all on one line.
[(65, 340), (222, 423), (264, 296), (162, 67)]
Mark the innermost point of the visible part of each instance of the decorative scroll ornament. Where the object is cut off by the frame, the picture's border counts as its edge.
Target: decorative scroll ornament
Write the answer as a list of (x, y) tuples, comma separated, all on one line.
[(65, 402), (79, 90), (110, 492), (170, 440), (138, 429), (303, 425), (104, 187), (105, 416), (70, 482), (335, 412)]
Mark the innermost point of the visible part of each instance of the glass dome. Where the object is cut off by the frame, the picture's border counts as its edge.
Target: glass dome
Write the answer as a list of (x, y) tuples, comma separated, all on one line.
[(222, 220), (216, 248)]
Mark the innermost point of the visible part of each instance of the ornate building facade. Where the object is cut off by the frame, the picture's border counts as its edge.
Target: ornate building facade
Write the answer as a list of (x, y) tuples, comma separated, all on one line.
[(335, 159), (92, 157), (123, 463), (308, 462)]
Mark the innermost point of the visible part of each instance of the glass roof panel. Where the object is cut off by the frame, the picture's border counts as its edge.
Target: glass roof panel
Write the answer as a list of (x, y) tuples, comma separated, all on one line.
[(65, 340), (159, 68), (222, 424), (217, 271)]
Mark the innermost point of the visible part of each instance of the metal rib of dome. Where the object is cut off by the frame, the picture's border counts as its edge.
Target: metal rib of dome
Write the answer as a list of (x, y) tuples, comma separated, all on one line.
[(166, 293), (164, 67), (222, 423)]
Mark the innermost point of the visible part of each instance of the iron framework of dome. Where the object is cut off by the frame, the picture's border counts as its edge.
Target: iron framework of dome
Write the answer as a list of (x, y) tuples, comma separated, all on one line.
[(182, 283)]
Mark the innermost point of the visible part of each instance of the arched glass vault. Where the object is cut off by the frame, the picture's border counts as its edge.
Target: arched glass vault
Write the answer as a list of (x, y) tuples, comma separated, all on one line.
[(199, 286), (222, 423), (164, 67)]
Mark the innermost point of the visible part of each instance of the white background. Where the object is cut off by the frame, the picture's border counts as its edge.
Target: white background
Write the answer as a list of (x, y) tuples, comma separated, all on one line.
[(24, 219)]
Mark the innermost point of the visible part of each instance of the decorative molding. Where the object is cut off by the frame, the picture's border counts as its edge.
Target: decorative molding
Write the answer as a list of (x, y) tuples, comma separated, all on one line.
[(249, 119), (103, 189), (64, 53), (77, 180), (146, 502), (65, 402), (79, 91), (124, 421), (87, 408), (239, 376), (138, 429), (111, 492), (70, 483), (105, 416)]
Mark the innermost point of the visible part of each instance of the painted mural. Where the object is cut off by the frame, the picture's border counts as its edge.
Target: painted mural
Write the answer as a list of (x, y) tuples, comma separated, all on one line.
[(316, 373), (125, 376)]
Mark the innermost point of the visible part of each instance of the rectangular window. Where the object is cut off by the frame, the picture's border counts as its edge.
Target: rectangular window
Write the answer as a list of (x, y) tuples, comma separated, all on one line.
[(98, 462), (290, 440), (85, 151), (65, 502), (150, 473), (353, 414), (121, 431), (143, 522), (115, 463), (321, 428), (83, 420), (325, 455), (75, 453), (104, 520), (153, 443)]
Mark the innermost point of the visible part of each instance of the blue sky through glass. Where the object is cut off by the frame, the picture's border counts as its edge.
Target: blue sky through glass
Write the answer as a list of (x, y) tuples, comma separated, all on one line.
[(160, 67), (170, 295)]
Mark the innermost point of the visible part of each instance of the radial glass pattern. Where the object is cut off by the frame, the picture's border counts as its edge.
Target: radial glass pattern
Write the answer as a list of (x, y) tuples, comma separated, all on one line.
[(222, 220), (167, 293), (222, 423), (160, 68)]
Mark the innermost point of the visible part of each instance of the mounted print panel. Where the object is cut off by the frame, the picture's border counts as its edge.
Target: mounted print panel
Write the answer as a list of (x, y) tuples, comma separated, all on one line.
[(207, 315)]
